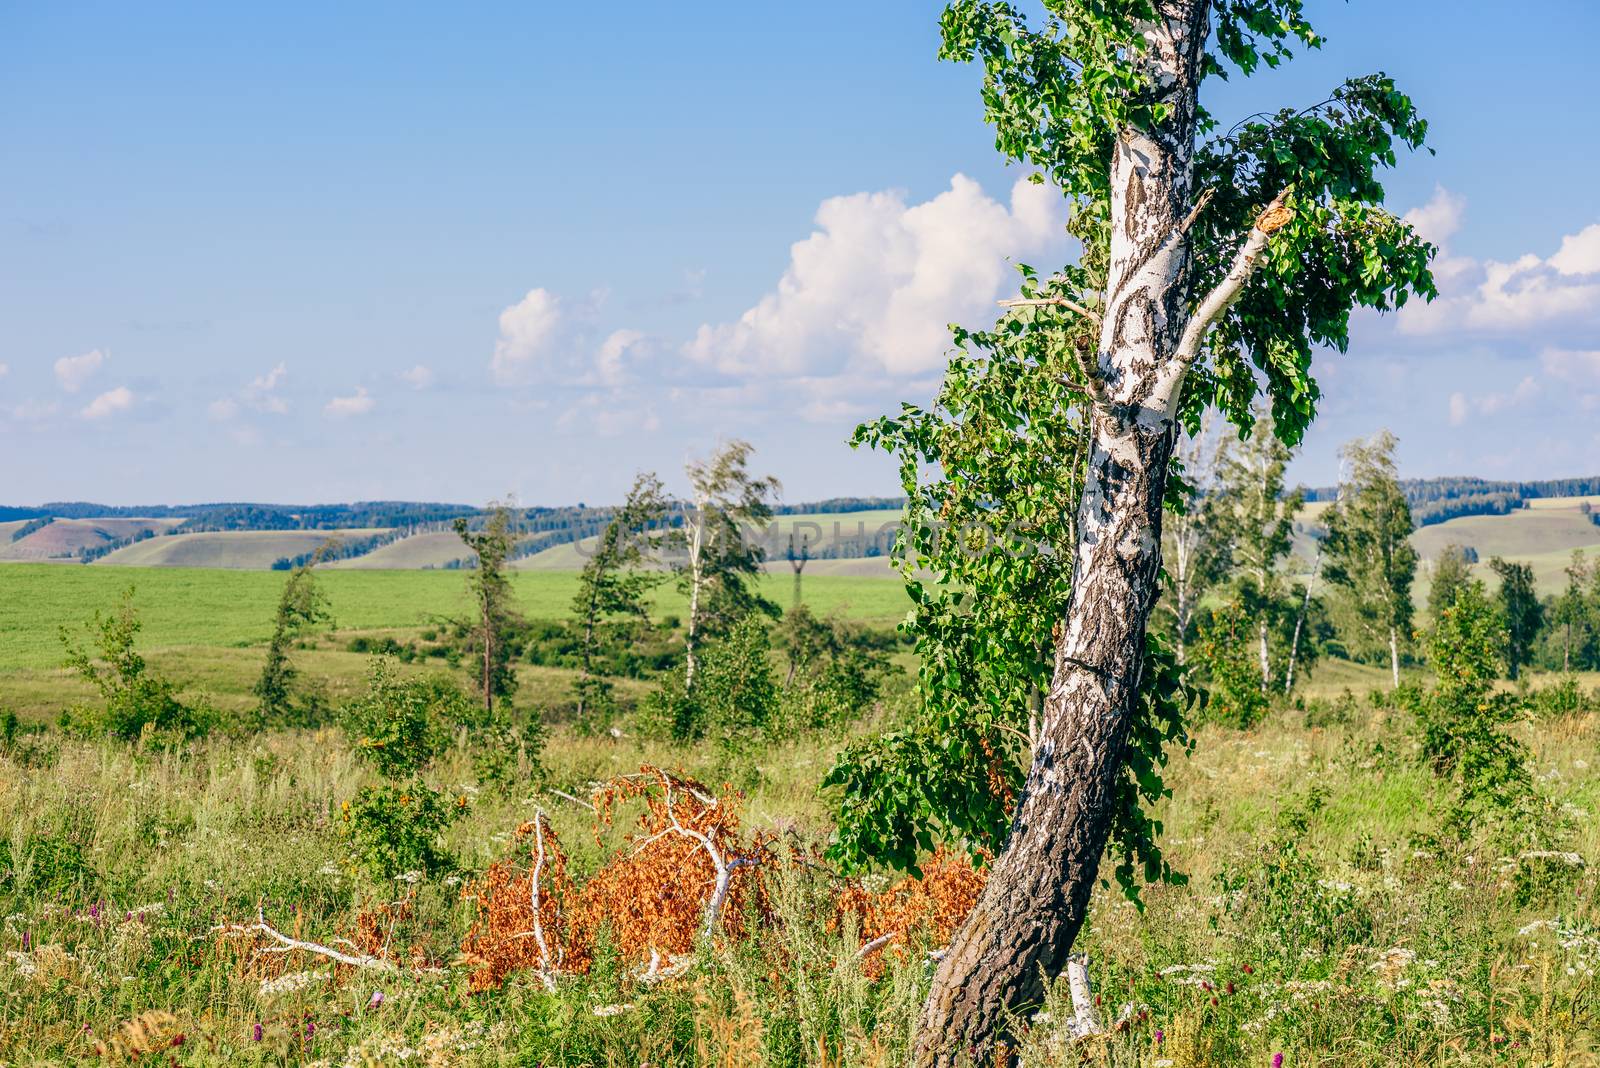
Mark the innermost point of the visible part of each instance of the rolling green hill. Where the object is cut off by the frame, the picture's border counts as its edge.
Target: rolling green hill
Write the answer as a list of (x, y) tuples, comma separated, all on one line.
[(433, 549), (64, 538), (241, 549)]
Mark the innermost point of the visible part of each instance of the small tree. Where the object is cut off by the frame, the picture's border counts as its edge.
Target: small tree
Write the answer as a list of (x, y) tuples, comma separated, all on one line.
[(1463, 718), (720, 559), (1257, 519), (613, 585), (1451, 571), (1521, 611), (1576, 615), (135, 698), (399, 727), (1235, 696), (497, 619), (1195, 544), (1370, 556), (301, 606)]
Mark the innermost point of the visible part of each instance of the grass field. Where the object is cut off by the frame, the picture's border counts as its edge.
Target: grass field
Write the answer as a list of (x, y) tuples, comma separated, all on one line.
[(206, 626)]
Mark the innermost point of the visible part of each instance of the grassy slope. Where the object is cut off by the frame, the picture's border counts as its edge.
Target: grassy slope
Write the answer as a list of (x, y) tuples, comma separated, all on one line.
[(240, 549), (64, 537), (433, 549)]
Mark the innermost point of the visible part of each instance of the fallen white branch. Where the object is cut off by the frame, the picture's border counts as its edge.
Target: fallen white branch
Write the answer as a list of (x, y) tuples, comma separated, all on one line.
[(546, 972), (876, 944), (290, 945)]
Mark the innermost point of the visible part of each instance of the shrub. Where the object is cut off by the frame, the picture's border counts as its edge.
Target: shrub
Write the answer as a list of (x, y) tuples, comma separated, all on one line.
[(394, 828), (1462, 719), (400, 725), (734, 699), (137, 702), (1233, 674)]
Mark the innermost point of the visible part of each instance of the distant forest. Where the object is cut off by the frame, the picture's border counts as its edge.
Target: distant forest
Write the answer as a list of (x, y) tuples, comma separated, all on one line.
[(1434, 500)]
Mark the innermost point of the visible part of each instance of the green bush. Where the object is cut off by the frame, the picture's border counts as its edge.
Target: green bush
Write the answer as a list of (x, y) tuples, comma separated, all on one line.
[(400, 725), (137, 703), (395, 828), (1233, 674)]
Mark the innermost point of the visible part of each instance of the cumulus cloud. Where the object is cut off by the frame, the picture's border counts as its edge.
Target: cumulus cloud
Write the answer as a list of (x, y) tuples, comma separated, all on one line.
[(1463, 407), (73, 371), (260, 394), (611, 360), (526, 329), (879, 279), (358, 403), (1491, 296), (418, 377), (108, 403)]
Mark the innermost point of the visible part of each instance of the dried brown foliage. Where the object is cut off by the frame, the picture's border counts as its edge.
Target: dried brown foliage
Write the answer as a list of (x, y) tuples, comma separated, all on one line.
[(924, 910), (685, 872), (656, 894), (502, 939)]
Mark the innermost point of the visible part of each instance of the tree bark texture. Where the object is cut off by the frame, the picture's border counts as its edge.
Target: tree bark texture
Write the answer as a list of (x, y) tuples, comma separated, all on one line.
[(1037, 895)]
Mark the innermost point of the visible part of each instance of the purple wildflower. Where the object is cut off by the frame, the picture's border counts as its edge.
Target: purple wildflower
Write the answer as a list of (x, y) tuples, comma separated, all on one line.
[(1277, 1060), (257, 1033), (1161, 1036), (376, 999)]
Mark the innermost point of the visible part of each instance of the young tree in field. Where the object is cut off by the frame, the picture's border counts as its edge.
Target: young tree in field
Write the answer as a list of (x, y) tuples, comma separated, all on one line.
[(497, 619), (1258, 522), (613, 584), (1195, 546), (1521, 610), (1576, 614), (1370, 557), (301, 606), (1451, 572), (721, 558), (1214, 260)]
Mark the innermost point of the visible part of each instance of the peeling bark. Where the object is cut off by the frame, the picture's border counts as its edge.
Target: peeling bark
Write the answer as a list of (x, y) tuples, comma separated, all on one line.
[(1021, 931)]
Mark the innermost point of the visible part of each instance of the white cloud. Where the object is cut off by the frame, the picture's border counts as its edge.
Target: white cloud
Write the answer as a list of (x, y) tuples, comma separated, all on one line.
[(259, 395), (525, 331), (108, 403), (1440, 218), (877, 282), (73, 371), (611, 360), (1463, 407), (1579, 253), (1491, 296), (358, 403), (1570, 365), (418, 377), (5, 369)]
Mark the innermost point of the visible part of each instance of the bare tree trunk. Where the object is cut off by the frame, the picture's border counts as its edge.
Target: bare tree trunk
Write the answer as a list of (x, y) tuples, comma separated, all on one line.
[(1300, 620), (1394, 656), (1020, 933), (1266, 660), (696, 577)]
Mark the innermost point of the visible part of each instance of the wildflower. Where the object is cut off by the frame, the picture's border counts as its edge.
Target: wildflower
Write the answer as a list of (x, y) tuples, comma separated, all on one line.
[(256, 1036), (1277, 1060), (1161, 1036), (376, 999)]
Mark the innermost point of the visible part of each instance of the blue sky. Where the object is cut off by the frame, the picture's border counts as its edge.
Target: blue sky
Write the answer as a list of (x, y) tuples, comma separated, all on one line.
[(294, 253)]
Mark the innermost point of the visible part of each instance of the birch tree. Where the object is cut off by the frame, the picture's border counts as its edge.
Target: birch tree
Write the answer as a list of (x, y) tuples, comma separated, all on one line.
[(1215, 259), (614, 583), (1370, 556), (721, 556), (1195, 546), (1259, 522)]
